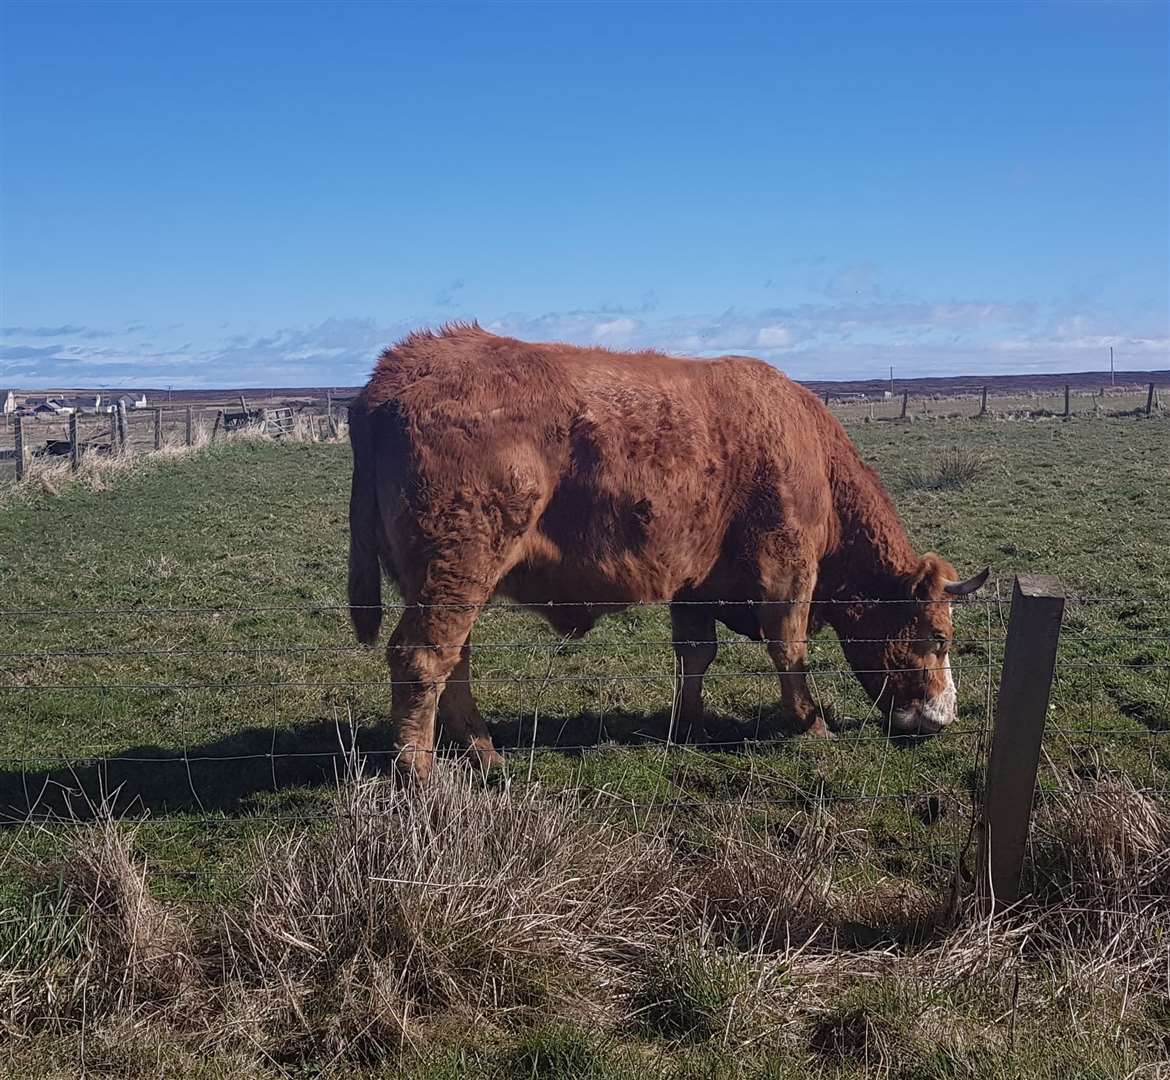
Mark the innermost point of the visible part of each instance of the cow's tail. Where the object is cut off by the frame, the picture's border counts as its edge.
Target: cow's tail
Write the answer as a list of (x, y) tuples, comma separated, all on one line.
[(365, 531)]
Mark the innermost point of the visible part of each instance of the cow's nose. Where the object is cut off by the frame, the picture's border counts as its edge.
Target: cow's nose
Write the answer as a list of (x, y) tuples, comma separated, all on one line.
[(927, 718)]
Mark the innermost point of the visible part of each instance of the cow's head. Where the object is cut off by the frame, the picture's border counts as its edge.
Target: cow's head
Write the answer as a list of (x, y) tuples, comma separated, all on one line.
[(899, 648)]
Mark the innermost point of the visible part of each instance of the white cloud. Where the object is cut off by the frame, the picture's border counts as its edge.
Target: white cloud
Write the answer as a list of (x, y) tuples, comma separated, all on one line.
[(615, 330), (773, 337), (846, 339)]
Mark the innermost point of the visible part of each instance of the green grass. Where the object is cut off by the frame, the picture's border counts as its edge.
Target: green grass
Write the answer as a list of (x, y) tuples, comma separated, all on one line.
[(254, 526)]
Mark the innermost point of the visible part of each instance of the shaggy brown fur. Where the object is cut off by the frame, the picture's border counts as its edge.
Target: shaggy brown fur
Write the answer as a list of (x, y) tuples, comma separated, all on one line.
[(488, 466)]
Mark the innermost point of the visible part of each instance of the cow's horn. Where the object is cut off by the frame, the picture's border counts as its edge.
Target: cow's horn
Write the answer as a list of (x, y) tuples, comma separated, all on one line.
[(964, 588)]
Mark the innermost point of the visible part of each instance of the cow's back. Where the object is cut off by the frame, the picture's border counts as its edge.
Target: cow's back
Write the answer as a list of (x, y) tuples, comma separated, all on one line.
[(631, 476)]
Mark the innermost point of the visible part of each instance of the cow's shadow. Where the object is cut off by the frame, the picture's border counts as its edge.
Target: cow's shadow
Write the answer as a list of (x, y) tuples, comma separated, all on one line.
[(239, 772)]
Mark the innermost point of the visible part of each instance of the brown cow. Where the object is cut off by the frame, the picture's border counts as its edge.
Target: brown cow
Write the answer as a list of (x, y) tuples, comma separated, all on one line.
[(593, 480)]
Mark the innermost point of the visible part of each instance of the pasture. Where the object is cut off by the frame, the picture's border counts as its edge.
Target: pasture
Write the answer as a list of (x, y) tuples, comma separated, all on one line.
[(176, 650)]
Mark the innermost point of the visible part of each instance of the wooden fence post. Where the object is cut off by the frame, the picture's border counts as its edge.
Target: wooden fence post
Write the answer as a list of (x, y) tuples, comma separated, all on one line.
[(190, 429), (18, 435), (1067, 403), (1150, 400), (1029, 661), (157, 428), (905, 402), (123, 428), (74, 445), (983, 403), (218, 421)]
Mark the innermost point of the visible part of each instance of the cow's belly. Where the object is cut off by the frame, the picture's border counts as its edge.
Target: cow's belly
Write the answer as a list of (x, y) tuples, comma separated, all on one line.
[(573, 596)]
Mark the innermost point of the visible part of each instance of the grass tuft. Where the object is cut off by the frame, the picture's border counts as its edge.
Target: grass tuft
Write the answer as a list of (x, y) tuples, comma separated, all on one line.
[(950, 470)]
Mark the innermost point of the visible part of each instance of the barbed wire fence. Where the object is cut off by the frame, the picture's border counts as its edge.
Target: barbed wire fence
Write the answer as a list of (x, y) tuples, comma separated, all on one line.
[(239, 702)]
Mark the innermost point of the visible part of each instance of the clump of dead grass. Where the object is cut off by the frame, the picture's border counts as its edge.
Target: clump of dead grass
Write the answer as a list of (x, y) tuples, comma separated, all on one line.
[(949, 471), (97, 943), (1100, 876), (454, 903)]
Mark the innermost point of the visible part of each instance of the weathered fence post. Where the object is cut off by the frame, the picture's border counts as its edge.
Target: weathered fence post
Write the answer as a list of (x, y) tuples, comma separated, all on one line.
[(1067, 403), (123, 428), (190, 438), (158, 428), (218, 421), (1150, 400), (983, 403), (74, 445), (1029, 661), (905, 402), (18, 435)]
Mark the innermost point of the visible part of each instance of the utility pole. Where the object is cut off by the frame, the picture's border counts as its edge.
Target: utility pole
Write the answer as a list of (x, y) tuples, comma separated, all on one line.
[(891, 380)]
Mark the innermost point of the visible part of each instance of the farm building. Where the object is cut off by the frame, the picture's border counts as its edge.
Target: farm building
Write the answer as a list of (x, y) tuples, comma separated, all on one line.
[(62, 406), (8, 403), (131, 401)]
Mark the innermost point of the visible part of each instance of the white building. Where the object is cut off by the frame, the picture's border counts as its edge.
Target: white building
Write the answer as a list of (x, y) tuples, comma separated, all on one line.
[(131, 401), (7, 402)]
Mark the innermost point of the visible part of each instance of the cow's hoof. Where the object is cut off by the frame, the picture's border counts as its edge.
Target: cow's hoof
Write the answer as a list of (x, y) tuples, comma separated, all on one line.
[(413, 767), (488, 758), (693, 736), (818, 729)]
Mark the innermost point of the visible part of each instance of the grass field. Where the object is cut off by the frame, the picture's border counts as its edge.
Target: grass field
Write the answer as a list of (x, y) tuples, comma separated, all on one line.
[(177, 648)]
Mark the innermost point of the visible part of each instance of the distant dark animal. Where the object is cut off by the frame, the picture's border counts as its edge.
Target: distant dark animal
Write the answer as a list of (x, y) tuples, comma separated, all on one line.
[(588, 480)]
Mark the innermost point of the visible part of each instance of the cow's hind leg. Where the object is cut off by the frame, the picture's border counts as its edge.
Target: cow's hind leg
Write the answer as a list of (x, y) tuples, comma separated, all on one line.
[(693, 633), (785, 627), (460, 723)]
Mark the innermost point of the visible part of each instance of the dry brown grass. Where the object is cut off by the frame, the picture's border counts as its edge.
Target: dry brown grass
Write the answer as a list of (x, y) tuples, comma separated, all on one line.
[(461, 913)]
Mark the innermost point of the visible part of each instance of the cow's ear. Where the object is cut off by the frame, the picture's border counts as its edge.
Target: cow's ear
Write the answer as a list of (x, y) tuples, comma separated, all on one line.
[(931, 577)]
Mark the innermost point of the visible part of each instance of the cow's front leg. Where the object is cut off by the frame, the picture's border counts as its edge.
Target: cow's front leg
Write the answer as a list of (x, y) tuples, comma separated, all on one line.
[(421, 661), (785, 628), (460, 723)]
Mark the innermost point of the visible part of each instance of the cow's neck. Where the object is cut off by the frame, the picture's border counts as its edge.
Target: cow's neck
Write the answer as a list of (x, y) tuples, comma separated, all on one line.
[(870, 554)]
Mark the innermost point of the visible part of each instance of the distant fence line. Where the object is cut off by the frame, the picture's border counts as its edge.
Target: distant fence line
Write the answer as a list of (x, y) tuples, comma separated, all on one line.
[(144, 429), (124, 431), (902, 400)]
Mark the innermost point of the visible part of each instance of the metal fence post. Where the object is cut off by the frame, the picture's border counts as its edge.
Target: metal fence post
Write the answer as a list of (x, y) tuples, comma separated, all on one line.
[(18, 435), (158, 428), (1029, 662), (74, 446)]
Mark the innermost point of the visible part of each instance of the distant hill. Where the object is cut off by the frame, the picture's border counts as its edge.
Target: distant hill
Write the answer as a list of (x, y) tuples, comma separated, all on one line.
[(1046, 382)]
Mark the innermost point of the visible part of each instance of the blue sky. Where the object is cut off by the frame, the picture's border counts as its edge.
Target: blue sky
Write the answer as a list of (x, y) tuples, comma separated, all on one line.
[(267, 194)]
